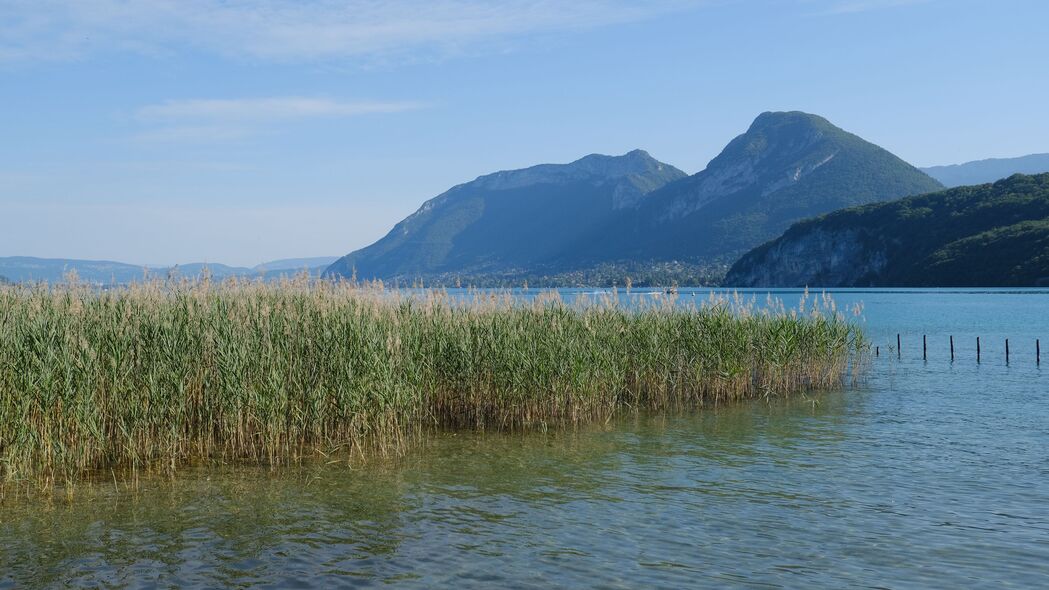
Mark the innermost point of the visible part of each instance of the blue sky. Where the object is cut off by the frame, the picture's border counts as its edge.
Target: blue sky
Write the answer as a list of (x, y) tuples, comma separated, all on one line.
[(163, 131)]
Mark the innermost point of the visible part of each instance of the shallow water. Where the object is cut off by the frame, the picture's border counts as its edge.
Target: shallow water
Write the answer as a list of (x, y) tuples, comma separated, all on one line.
[(931, 474)]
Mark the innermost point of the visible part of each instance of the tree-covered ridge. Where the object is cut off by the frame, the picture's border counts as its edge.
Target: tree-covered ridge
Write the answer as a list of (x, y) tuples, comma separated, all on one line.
[(985, 235)]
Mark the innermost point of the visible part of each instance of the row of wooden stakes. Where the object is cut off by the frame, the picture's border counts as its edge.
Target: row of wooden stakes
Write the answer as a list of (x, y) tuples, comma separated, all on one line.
[(925, 349)]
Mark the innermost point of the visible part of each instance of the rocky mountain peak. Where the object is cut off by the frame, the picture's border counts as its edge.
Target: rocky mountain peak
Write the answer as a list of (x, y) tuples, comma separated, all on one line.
[(777, 134), (778, 150)]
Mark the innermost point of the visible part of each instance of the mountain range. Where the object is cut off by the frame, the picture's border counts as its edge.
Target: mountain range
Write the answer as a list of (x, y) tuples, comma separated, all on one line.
[(990, 170), (990, 235), (106, 272), (600, 219), (603, 210)]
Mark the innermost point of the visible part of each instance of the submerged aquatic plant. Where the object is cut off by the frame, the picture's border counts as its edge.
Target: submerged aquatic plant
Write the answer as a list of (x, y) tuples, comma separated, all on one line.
[(160, 373)]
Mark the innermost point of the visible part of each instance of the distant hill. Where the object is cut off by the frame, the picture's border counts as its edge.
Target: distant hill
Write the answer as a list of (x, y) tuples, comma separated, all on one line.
[(984, 171), (296, 264), (107, 272), (196, 269), (27, 268), (517, 219), (990, 235), (631, 210)]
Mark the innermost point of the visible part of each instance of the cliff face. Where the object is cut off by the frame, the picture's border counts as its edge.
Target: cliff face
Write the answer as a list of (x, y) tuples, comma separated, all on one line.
[(991, 235), (816, 258)]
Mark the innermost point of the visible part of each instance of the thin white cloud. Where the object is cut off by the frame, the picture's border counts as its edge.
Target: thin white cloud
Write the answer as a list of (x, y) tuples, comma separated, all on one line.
[(268, 109), (225, 120), (295, 29)]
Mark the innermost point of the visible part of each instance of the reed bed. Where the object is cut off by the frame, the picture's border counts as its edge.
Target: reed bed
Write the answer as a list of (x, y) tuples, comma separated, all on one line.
[(158, 374)]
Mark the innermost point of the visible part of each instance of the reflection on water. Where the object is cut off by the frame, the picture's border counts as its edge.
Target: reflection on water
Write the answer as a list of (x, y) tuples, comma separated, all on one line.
[(931, 475)]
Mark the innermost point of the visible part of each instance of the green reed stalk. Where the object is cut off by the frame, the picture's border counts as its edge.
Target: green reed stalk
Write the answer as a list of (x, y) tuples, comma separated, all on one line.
[(158, 374)]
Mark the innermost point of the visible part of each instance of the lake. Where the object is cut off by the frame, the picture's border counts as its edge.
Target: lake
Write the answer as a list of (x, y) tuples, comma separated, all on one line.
[(928, 474)]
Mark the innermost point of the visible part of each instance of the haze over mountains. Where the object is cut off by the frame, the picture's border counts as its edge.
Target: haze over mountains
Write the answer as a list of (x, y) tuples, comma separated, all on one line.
[(990, 235), (602, 209), (989, 170), (106, 272)]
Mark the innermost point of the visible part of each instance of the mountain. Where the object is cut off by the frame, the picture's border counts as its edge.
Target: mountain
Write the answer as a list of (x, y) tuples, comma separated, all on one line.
[(632, 209), (195, 269), (517, 219), (296, 264), (107, 272), (275, 269), (983, 171), (786, 167), (52, 270), (990, 235)]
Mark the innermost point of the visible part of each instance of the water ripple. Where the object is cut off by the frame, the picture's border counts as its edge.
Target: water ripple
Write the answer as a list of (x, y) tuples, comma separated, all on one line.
[(933, 475)]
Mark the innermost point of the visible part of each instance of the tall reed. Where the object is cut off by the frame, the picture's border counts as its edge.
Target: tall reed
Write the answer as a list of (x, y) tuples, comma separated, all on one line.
[(158, 374)]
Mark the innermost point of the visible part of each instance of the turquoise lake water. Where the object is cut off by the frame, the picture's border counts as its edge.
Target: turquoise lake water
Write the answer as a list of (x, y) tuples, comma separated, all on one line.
[(929, 474)]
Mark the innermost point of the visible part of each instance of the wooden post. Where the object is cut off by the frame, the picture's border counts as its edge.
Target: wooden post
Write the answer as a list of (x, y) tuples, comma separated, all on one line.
[(898, 346), (977, 349), (1007, 351), (952, 349), (1037, 352), (876, 350), (924, 349)]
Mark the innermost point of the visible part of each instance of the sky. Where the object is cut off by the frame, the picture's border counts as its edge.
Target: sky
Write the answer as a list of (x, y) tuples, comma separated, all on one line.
[(173, 131)]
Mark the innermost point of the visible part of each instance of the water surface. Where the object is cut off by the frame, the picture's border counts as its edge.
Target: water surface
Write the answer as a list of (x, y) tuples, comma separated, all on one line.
[(931, 474)]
